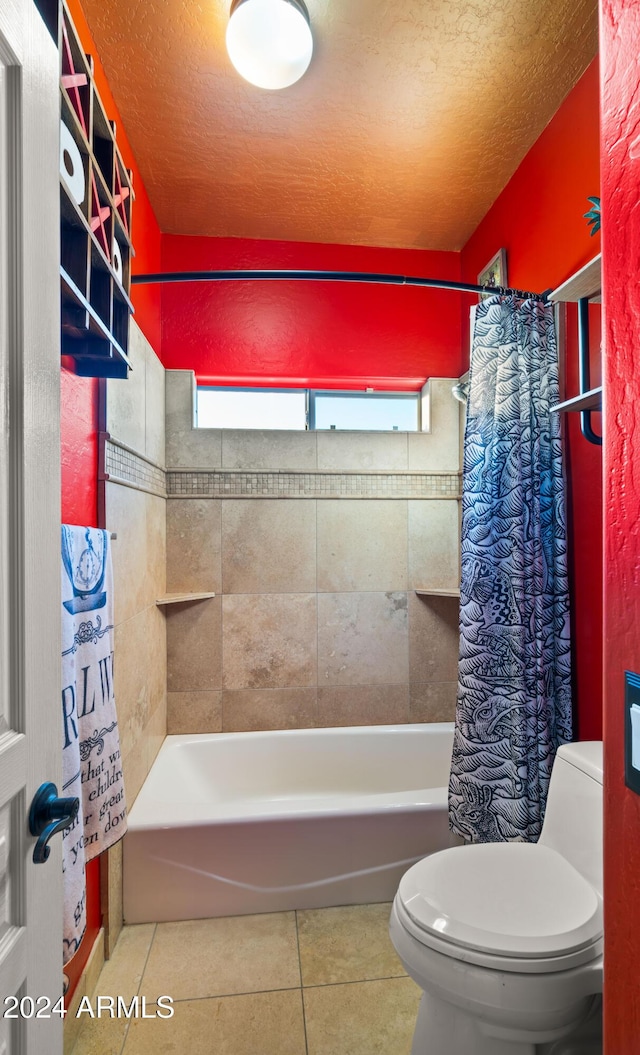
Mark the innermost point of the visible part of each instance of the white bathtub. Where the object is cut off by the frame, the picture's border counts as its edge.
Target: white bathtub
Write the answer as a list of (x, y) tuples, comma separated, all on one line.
[(231, 823)]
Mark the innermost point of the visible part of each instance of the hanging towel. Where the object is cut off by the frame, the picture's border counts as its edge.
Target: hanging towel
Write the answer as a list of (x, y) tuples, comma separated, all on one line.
[(91, 762)]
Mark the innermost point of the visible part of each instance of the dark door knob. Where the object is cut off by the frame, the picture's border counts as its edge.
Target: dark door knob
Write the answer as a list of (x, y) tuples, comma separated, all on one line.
[(48, 815)]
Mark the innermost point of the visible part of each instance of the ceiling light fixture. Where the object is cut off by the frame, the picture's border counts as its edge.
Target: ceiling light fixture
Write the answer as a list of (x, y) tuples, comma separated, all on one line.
[(269, 41)]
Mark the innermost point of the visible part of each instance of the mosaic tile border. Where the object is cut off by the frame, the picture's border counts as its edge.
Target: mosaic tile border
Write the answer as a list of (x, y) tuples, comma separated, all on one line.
[(125, 466), (187, 483)]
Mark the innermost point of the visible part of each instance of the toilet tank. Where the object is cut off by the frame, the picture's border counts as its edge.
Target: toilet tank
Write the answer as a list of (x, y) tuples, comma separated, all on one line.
[(573, 819)]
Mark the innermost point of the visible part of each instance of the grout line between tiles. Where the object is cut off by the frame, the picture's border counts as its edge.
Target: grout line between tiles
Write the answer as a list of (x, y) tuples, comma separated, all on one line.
[(146, 608), (137, 993), (125, 1035), (146, 961), (288, 989), (304, 1014), (357, 981), (231, 996)]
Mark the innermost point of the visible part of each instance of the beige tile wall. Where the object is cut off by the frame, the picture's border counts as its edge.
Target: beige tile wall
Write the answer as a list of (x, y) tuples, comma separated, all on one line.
[(135, 417), (315, 622)]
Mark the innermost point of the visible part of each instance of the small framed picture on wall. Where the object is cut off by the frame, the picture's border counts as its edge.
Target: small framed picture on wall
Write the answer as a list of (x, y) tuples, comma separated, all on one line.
[(494, 273)]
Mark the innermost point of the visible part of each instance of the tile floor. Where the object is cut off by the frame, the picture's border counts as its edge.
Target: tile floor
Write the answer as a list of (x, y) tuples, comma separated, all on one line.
[(314, 982)]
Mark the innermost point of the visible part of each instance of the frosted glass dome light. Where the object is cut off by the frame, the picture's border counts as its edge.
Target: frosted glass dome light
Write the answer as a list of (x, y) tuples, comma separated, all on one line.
[(269, 41)]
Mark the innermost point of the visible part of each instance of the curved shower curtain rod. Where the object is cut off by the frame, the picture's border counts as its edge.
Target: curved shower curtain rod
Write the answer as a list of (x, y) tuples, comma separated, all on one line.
[(330, 276)]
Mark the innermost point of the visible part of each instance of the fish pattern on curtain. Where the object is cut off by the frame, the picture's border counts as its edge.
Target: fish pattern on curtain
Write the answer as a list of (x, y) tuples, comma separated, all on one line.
[(514, 695)]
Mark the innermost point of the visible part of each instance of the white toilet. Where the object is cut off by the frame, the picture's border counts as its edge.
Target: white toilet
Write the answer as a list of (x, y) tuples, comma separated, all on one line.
[(505, 939)]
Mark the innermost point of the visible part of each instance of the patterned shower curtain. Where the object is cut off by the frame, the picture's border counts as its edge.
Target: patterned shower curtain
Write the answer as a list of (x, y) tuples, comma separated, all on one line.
[(514, 695)]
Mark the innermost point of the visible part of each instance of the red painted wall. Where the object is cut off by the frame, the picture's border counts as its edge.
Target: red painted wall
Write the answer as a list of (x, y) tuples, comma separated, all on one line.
[(315, 334), (538, 216), (538, 220), (79, 410), (79, 413), (620, 37), (79, 455)]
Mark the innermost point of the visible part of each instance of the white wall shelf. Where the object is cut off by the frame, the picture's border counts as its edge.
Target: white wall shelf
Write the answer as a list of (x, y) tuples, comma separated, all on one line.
[(582, 288), (585, 283), (591, 400)]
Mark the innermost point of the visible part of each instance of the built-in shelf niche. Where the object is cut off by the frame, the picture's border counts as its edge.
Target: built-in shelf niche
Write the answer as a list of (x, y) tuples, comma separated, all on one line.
[(96, 195)]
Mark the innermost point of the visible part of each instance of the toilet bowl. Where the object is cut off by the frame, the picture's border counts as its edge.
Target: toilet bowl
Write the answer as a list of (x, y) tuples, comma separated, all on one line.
[(505, 939)]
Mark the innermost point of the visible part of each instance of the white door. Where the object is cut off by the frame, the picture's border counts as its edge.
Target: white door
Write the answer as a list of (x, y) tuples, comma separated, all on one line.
[(30, 744)]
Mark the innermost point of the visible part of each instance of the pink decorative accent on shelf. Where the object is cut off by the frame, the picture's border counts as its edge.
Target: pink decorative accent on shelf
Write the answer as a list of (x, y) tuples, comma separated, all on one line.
[(74, 80)]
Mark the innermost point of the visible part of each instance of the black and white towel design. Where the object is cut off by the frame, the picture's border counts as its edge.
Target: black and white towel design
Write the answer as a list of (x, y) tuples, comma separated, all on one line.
[(91, 763), (514, 690)]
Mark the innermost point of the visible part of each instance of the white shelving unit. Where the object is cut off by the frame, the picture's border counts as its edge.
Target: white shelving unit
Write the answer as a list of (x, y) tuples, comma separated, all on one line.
[(591, 400), (586, 284)]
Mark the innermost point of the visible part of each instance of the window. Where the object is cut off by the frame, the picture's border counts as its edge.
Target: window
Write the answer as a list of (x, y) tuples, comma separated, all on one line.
[(368, 411), (251, 408), (298, 408)]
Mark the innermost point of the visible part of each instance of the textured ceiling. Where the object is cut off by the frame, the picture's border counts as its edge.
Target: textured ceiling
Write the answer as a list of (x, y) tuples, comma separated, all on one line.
[(410, 120)]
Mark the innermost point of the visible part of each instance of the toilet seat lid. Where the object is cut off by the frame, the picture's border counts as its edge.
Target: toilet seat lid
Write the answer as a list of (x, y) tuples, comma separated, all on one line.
[(505, 899)]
